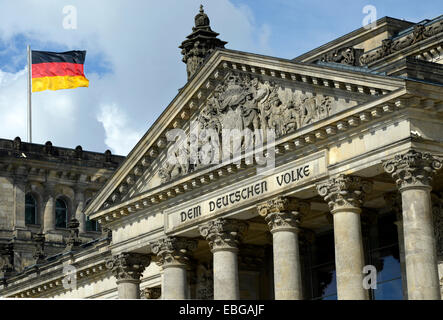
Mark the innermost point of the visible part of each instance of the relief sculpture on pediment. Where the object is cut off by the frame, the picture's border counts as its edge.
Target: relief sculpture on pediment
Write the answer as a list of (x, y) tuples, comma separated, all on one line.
[(388, 46), (243, 104)]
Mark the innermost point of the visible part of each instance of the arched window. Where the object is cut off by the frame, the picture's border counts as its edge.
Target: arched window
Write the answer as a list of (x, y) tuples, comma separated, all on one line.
[(61, 214), (30, 209), (92, 225)]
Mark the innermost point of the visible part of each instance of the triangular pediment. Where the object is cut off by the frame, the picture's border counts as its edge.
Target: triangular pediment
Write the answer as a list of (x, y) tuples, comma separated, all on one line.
[(234, 90)]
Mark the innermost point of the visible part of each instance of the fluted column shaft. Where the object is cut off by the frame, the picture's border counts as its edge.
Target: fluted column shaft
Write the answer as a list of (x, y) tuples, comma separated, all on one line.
[(224, 236), (283, 216), (173, 257), (127, 269), (345, 195), (226, 285), (413, 173), (349, 255)]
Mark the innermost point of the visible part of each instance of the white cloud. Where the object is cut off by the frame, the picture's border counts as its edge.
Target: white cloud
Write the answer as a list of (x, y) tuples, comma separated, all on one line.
[(138, 41), (13, 101), (119, 134), (264, 34)]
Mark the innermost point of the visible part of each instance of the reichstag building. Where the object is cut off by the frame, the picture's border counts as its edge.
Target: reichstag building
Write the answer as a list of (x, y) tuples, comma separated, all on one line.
[(343, 182)]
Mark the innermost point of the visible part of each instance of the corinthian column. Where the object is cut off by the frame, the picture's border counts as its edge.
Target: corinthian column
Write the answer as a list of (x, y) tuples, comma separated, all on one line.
[(224, 236), (128, 268), (413, 174), (283, 216), (173, 258), (344, 195)]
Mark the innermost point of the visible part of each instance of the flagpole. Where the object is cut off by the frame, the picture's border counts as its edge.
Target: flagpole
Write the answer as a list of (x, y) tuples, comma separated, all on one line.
[(29, 94)]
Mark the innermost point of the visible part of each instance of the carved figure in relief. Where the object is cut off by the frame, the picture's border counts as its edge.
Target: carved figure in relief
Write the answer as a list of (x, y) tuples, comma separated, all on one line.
[(292, 119), (275, 116), (241, 102), (165, 172), (250, 113)]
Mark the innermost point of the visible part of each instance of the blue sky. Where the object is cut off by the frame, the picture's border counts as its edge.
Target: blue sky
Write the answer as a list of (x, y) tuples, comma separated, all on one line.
[(298, 26), (133, 61)]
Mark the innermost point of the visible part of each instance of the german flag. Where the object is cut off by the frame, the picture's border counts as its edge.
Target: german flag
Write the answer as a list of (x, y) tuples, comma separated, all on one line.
[(58, 70)]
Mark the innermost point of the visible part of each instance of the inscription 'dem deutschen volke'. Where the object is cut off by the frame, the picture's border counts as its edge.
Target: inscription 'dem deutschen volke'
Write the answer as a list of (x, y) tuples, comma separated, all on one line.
[(249, 192)]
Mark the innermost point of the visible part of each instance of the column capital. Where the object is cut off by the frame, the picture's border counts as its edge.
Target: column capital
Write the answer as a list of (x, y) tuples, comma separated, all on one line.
[(128, 266), (413, 169), (173, 251), (283, 213), (223, 233), (344, 192)]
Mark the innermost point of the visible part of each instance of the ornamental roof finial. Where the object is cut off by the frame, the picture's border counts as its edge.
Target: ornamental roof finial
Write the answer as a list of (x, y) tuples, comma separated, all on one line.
[(200, 43), (201, 19)]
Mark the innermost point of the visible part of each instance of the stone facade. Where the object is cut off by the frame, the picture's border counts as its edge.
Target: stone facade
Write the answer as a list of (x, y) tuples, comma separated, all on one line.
[(47, 173), (347, 179)]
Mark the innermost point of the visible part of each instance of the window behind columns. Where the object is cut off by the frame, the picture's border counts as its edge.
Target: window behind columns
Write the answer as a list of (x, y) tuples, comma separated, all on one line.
[(384, 255), (30, 209), (322, 261), (381, 251)]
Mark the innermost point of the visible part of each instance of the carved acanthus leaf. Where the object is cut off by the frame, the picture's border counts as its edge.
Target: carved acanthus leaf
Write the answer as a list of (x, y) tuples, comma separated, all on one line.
[(283, 212), (413, 169), (173, 250), (128, 266), (223, 233), (344, 191)]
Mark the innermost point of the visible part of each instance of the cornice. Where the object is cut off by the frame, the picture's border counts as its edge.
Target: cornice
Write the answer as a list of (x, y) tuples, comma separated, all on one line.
[(196, 91), (348, 120), (422, 38), (47, 279), (355, 37), (43, 171)]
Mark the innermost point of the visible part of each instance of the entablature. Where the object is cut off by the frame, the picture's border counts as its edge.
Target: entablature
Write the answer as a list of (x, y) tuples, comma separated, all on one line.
[(302, 142), (48, 279), (320, 81)]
